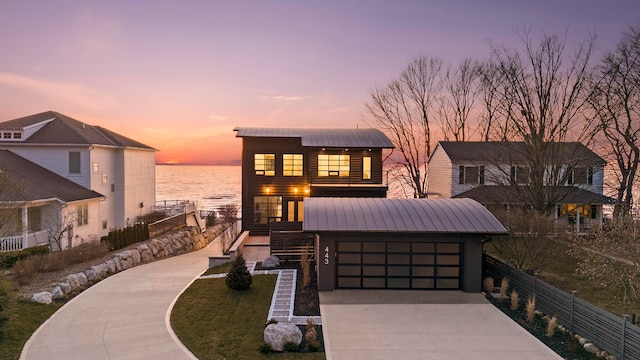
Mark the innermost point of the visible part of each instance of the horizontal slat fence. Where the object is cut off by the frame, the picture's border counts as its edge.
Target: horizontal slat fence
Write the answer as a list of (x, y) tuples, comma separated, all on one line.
[(615, 335)]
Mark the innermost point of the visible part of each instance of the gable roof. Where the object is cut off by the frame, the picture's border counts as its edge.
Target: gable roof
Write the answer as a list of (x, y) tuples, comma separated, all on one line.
[(497, 194), (40, 183), (399, 215), (495, 151), (61, 129), (361, 138)]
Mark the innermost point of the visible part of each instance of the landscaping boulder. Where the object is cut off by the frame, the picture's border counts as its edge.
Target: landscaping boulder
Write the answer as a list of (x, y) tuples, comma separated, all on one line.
[(73, 281), (277, 335), (65, 287), (43, 297), (91, 275), (82, 277), (56, 292), (270, 262)]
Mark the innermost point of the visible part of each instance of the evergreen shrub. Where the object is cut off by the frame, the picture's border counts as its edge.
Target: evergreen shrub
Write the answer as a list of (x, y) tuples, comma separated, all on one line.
[(239, 277)]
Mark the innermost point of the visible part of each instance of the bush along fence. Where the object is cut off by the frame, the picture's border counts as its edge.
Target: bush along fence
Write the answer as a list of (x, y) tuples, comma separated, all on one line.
[(617, 336), (121, 238)]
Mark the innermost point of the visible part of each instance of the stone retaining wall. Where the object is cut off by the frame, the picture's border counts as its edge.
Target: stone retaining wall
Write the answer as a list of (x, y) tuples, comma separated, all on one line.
[(177, 243)]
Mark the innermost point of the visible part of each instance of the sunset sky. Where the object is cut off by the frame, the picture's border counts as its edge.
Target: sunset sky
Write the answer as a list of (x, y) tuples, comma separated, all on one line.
[(180, 75)]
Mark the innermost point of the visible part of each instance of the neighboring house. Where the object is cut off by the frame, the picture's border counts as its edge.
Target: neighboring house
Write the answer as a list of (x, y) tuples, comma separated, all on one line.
[(283, 166), (497, 175), (121, 169), (427, 244), (48, 208)]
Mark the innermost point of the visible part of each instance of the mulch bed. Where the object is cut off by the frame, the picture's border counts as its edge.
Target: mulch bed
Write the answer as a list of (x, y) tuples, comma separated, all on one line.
[(563, 343)]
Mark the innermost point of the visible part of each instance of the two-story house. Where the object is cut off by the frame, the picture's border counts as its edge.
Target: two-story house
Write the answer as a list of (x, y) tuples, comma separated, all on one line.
[(120, 169), (499, 175), (282, 166)]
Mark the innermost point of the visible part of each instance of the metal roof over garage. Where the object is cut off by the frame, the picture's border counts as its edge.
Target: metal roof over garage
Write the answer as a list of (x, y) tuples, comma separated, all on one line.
[(363, 138), (399, 215)]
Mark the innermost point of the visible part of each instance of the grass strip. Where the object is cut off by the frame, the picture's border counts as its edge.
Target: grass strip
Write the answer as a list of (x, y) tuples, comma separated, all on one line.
[(23, 317), (215, 322)]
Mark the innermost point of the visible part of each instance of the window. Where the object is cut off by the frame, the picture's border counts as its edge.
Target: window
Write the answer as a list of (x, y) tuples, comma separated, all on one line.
[(17, 135), (96, 167), (6, 135), (301, 210), (265, 164), (74, 162), (113, 187), (471, 175), (291, 211), (333, 165), (266, 209), (292, 164), (82, 215), (519, 175), (34, 216), (104, 225), (105, 178), (580, 175), (366, 168)]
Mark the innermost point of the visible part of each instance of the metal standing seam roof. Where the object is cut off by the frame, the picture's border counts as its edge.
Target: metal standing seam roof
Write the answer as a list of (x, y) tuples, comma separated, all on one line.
[(399, 215), (362, 138)]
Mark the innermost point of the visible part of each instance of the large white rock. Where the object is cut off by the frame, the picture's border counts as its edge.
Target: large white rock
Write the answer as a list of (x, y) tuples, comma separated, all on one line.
[(43, 297), (56, 292), (73, 281), (271, 262), (82, 277), (277, 335)]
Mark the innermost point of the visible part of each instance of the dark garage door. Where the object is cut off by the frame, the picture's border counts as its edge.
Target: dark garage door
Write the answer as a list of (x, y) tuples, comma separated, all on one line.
[(399, 265)]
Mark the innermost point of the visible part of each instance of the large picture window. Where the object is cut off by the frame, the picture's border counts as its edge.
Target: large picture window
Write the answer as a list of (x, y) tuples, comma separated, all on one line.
[(520, 175), (471, 175), (265, 164), (292, 164), (333, 165), (266, 209)]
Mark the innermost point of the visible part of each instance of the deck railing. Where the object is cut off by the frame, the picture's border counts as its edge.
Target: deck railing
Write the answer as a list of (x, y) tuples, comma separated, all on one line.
[(11, 243)]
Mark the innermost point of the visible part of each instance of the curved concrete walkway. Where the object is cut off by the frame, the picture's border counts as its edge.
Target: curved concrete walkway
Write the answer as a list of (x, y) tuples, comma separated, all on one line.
[(124, 316)]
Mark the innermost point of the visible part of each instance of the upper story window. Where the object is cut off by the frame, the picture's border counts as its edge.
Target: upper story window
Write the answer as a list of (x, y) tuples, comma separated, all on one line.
[(471, 175), (366, 168), (520, 175), (581, 175), (292, 164), (11, 135), (96, 167), (82, 215), (74, 162), (333, 165), (17, 135), (265, 164), (6, 135)]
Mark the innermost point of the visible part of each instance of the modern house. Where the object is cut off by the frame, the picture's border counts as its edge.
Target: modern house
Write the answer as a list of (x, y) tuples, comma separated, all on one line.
[(499, 176), (122, 170), (283, 166), (43, 208), (373, 243)]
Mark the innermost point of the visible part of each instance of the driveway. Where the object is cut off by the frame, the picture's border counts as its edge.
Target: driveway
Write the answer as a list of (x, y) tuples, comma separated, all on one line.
[(124, 316), (451, 325)]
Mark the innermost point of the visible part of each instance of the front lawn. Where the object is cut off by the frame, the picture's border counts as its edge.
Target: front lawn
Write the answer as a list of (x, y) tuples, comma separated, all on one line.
[(18, 320), (215, 322)]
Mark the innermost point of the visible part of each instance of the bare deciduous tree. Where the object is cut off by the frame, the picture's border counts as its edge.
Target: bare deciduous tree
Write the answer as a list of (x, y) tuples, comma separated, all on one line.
[(616, 103), (60, 226), (11, 197), (404, 111), (460, 92), (542, 99)]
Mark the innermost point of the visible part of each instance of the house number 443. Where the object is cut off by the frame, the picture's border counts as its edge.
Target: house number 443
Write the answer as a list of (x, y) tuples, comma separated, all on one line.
[(326, 255)]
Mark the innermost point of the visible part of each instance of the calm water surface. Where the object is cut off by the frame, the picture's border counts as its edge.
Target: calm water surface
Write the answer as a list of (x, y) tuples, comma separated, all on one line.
[(208, 186)]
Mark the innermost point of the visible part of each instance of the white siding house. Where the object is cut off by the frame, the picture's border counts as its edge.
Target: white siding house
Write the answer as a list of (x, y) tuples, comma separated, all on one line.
[(495, 174), (119, 168)]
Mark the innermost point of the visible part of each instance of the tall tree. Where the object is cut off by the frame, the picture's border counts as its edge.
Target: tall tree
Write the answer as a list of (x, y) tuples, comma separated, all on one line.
[(403, 110), (616, 102), (460, 92), (542, 98)]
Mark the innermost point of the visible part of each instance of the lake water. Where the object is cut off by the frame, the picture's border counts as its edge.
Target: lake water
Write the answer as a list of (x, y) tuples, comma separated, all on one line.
[(208, 186), (211, 186)]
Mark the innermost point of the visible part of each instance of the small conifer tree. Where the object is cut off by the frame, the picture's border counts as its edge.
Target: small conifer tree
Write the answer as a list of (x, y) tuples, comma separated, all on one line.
[(239, 277)]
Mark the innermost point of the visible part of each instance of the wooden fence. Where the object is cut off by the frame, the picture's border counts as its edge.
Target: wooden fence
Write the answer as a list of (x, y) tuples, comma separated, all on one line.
[(618, 336)]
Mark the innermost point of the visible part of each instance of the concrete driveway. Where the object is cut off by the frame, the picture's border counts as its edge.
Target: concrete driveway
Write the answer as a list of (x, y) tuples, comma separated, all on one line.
[(125, 316), (452, 325)]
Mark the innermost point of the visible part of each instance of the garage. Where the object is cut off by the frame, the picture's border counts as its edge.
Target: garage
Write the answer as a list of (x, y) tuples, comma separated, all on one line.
[(398, 265), (417, 244)]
